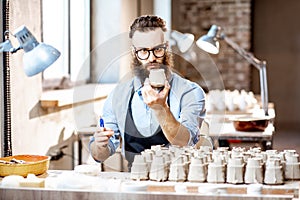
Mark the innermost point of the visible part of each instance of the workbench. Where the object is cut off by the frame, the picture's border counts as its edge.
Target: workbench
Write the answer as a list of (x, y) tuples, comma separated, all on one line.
[(107, 185)]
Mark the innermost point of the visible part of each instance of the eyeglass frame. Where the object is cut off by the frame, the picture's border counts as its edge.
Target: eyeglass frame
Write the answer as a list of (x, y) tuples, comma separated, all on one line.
[(163, 46)]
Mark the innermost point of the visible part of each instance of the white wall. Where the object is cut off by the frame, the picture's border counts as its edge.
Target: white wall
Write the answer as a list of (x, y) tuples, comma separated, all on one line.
[(35, 130)]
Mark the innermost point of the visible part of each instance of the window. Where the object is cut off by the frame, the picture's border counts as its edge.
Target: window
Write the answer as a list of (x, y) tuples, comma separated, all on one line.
[(66, 26), (83, 29)]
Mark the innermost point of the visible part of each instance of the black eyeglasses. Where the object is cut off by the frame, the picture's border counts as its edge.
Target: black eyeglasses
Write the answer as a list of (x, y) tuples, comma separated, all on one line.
[(144, 53)]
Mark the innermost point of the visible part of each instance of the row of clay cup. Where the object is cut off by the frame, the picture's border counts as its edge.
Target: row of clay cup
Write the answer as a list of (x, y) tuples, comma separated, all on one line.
[(286, 161), (271, 171), (161, 166), (274, 164), (217, 172), (217, 167), (268, 167), (161, 163)]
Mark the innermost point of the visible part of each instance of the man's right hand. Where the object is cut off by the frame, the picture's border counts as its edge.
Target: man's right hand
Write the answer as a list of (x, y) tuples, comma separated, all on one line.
[(102, 137)]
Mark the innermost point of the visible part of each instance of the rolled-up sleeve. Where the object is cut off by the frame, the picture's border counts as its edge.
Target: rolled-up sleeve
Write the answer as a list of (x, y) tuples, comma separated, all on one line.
[(193, 112), (110, 121), (190, 109)]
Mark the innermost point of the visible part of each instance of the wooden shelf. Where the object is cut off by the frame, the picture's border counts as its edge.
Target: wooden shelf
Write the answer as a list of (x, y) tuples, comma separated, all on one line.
[(76, 95)]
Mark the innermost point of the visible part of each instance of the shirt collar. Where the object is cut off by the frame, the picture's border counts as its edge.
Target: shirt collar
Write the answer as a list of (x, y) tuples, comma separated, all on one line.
[(137, 85)]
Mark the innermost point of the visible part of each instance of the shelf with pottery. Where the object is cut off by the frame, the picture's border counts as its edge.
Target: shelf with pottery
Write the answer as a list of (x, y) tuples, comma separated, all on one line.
[(222, 128), (224, 110)]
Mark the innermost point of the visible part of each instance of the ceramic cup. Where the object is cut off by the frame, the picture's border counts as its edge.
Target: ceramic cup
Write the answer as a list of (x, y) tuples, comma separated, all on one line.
[(197, 170), (235, 170), (273, 172), (292, 171), (216, 173), (274, 176), (254, 171), (157, 77), (148, 155), (177, 172), (235, 174), (177, 169), (157, 169), (139, 169)]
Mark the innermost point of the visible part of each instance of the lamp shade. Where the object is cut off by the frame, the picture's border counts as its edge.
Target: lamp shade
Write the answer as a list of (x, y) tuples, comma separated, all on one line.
[(209, 42), (37, 56), (184, 41)]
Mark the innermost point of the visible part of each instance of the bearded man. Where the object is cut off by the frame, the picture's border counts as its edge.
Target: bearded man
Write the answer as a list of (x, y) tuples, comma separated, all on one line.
[(141, 115)]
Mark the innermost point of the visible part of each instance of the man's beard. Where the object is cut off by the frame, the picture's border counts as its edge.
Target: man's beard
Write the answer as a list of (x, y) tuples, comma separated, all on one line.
[(140, 70)]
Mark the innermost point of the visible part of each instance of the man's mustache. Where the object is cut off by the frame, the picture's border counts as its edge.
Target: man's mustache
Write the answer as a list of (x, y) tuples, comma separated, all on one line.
[(156, 64)]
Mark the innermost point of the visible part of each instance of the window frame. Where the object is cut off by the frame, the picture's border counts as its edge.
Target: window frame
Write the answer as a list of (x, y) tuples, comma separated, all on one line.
[(68, 30)]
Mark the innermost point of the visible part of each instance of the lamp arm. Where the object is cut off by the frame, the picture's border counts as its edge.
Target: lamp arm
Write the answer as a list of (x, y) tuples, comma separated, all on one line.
[(6, 46), (259, 65), (246, 55)]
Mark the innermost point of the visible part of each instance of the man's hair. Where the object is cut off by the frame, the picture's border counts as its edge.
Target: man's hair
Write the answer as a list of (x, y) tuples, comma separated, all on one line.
[(146, 23)]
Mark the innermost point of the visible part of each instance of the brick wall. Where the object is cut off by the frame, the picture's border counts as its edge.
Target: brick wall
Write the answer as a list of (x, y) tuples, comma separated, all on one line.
[(197, 16)]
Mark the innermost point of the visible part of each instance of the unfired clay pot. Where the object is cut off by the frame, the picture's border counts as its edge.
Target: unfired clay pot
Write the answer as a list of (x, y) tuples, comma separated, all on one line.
[(158, 169), (254, 171), (139, 169), (273, 172), (292, 165), (177, 170), (197, 170), (235, 170)]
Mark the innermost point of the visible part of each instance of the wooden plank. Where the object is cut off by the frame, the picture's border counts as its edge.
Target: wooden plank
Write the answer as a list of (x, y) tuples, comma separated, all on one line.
[(76, 95), (12, 193), (49, 103), (156, 190)]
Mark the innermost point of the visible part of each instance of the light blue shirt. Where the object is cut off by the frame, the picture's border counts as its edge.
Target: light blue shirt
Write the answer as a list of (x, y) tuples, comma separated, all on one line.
[(143, 117), (187, 104)]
